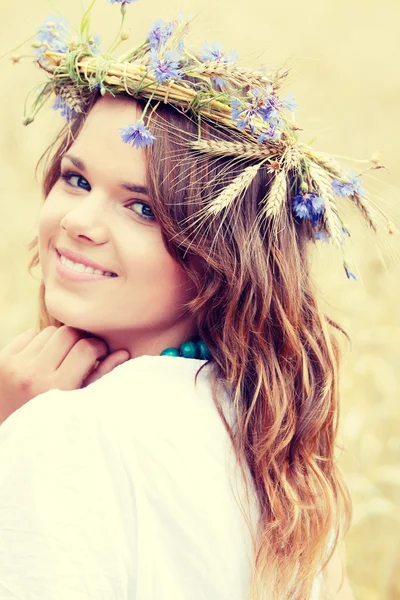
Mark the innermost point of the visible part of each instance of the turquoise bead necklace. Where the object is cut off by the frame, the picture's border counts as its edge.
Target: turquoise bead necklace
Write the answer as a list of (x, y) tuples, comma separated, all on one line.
[(190, 349)]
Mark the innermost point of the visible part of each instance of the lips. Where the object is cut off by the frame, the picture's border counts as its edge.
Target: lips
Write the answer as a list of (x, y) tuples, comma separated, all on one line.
[(84, 260)]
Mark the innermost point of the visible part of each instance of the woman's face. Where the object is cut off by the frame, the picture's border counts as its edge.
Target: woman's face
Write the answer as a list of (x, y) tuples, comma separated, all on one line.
[(91, 211)]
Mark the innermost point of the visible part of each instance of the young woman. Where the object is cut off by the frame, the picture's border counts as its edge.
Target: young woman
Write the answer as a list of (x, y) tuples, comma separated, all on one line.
[(169, 432)]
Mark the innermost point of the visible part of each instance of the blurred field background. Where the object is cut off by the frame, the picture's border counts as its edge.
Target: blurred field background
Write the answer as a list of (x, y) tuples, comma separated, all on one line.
[(343, 58)]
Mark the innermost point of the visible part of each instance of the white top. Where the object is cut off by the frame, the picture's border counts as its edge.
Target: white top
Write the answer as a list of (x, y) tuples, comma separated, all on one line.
[(121, 491)]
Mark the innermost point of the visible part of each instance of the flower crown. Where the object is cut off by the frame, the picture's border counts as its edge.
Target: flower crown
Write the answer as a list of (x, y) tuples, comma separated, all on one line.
[(212, 86)]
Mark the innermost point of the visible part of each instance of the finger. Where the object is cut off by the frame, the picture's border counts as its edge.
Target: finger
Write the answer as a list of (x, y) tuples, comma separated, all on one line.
[(37, 343), (58, 344), (79, 362), (19, 343), (107, 365)]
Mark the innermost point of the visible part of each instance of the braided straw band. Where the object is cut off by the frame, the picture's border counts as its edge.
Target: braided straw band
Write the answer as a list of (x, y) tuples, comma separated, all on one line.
[(137, 81)]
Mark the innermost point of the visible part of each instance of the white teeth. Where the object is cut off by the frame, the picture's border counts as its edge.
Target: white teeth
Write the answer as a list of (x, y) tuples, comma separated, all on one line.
[(82, 268)]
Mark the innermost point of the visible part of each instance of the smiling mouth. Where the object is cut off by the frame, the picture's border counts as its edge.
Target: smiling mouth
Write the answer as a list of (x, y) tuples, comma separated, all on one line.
[(81, 268)]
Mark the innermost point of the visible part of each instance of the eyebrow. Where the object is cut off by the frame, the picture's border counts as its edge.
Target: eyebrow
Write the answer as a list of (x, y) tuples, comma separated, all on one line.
[(131, 187)]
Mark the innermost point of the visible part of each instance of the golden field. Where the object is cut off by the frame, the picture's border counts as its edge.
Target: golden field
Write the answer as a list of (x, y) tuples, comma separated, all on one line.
[(343, 59)]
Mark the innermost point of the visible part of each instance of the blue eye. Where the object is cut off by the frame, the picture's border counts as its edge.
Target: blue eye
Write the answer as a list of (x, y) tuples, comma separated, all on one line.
[(146, 210), (144, 213), (68, 176)]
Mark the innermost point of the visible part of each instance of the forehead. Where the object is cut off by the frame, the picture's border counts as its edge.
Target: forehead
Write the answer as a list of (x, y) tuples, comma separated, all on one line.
[(99, 144)]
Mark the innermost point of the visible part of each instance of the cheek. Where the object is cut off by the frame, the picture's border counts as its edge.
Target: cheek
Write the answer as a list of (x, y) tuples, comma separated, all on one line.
[(48, 224), (177, 283), (165, 280)]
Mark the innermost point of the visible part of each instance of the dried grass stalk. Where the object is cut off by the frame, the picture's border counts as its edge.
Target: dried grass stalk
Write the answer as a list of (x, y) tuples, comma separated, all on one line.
[(332, 220), (277, 196), (244, 150), (233, 190)]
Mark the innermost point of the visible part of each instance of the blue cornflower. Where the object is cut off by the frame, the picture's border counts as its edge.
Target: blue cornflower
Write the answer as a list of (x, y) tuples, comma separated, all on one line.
[(53, 35), (122, 1), (166, 68), (160, 32), (137, 134), (274, 121), (236, 109), (269, 104), (350, 187), (320, 235), (243, 114), (308, 206), (213, 52), (265, 103), (261, 103), (349, 274), (243, 123), (67, 112), (268, 134)]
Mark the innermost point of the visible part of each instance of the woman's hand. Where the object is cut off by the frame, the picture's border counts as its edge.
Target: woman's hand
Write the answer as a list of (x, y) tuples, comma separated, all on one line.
[(106, 366), (56, 358)]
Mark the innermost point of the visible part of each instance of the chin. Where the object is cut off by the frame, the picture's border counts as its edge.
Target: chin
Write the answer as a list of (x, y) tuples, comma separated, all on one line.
[(67, 317)]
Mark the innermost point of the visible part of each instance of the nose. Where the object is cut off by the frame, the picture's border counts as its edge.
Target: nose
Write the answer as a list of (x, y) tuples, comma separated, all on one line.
[(87, 219)]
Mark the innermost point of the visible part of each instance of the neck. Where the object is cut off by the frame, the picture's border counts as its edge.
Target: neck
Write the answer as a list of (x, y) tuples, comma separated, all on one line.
[(151, 343)]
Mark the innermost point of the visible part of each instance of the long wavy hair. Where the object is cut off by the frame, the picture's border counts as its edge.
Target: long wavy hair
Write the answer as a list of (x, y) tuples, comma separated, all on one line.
[(271, 346)]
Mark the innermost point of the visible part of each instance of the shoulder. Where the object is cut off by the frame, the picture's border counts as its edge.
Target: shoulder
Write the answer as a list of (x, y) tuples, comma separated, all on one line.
[(132, 382), (155, 371), (146, 373), (159, 401), (148, 390), (166, 391), (56, 436), (66, 518), (125, 427)]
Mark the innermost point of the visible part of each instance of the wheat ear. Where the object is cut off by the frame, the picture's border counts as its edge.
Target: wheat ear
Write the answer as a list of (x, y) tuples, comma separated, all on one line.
[(323, 186), (244, 150), (293, 157), (276, 198), (324, 161), (232, 71), (331, 165), (365, 209), (233, 190), (72, 97)]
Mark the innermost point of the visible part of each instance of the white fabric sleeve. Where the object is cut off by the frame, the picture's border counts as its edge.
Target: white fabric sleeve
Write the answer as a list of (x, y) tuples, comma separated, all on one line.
[(67, 508)]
